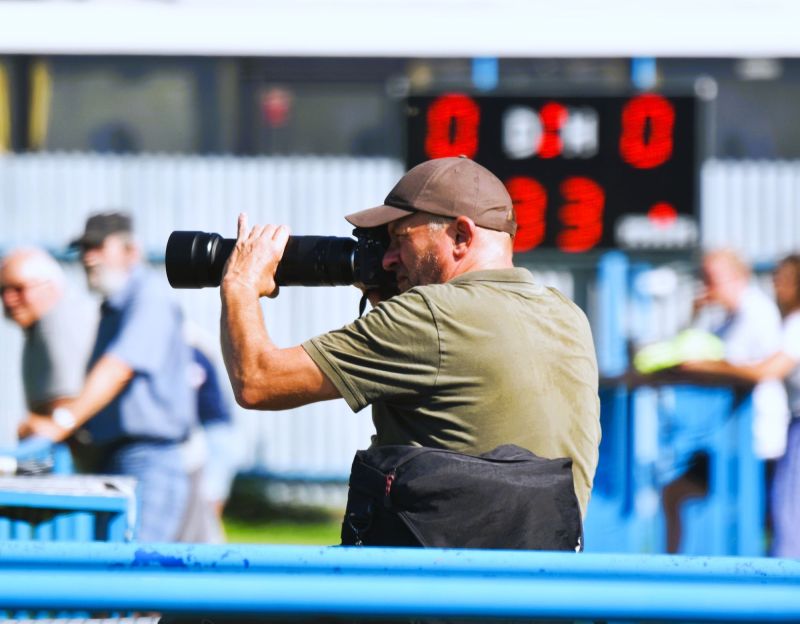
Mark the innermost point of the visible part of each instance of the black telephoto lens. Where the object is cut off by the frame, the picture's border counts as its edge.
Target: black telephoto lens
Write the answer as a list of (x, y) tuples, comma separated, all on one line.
[(196, 260), (317, 261)]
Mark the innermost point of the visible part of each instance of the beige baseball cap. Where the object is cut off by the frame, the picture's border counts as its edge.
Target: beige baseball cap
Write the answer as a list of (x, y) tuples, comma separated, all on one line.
[(449, 187)]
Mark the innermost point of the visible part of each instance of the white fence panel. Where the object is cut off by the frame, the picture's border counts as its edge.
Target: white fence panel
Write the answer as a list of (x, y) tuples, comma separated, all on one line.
[(751, 206)]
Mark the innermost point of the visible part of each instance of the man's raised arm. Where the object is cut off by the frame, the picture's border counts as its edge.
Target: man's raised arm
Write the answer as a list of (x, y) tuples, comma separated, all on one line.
[(262, 375)]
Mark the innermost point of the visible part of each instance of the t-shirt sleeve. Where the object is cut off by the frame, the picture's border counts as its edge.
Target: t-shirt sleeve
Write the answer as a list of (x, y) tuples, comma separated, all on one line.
[(790, 338), (391, 353), (65, 352), (146, 331)]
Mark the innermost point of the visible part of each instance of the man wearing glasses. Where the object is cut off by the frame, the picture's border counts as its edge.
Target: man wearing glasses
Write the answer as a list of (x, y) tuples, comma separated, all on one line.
[(59, 327)]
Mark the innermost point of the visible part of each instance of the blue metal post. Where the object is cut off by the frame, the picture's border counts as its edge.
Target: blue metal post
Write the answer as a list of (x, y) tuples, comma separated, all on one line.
[(62, 460), (722, 496), (751, 495), (485, 73), (644, 72), (611, 331)]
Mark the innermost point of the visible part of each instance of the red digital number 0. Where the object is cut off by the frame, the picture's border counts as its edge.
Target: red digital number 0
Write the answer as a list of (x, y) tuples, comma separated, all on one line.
[(643, 147), (581, 214), (452, 127), (530, 206)]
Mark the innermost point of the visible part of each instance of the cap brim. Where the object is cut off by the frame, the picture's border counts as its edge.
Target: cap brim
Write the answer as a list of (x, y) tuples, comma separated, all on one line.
[(380, 215), (87, 240), (76, 244)]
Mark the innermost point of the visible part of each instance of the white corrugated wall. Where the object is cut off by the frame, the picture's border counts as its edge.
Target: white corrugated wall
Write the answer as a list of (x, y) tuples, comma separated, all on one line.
[(752, 206), (44, 199)]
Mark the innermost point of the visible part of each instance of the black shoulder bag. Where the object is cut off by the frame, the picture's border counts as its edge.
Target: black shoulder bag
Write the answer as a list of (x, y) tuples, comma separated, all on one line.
[(506, 498)]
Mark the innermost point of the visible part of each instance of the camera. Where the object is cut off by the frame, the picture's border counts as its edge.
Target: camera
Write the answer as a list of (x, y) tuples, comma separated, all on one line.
[(196, 260)]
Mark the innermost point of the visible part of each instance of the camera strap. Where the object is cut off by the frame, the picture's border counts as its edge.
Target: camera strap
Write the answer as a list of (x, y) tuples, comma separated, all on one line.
[(362, 305)]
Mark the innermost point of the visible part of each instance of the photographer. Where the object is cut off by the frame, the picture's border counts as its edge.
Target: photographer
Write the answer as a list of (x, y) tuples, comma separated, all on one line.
[(472, 353)]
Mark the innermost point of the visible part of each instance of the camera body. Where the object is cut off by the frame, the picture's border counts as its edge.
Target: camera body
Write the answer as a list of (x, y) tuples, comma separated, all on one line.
[(197, 259)]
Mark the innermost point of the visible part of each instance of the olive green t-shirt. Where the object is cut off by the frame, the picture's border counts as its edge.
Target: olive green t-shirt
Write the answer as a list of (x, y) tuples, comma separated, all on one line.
[(488, 358)]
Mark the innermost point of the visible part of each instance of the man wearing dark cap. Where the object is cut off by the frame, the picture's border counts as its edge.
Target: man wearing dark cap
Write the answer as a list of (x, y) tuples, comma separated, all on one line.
[(472, 353), (136, 406)]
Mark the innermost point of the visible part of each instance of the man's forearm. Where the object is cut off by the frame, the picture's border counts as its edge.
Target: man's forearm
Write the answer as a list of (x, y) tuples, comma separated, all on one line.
[(262, 375), (243, 335), (774, 367), (107, 378)]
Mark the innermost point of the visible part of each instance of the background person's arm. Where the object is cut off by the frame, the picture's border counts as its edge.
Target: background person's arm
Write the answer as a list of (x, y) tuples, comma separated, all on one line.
[(777, 366), (105, 381)]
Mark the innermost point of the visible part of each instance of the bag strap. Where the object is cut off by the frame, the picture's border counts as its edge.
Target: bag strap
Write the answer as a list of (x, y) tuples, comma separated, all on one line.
[(495, 456), (415, 452)]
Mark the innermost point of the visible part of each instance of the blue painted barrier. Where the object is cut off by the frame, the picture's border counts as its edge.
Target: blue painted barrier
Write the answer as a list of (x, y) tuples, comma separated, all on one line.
[(61, 506), (650, 428), (369, 582), (55, 458), (649, 431), (730, 520), (67, 507)]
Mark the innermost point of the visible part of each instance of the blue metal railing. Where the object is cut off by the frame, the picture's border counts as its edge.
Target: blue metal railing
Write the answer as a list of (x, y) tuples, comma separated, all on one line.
[(368, 582), (56, 457), (648, 434), (60, 505)]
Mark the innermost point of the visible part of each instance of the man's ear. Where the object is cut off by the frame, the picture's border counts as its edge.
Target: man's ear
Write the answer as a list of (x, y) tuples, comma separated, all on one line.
[(464, 229)]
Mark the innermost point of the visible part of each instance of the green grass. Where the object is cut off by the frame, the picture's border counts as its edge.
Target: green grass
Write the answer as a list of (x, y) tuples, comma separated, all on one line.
[(252, 518), (282, 532)]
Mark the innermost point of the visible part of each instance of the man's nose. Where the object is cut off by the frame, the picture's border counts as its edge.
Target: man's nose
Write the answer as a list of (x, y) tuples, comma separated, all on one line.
[(390, 259)]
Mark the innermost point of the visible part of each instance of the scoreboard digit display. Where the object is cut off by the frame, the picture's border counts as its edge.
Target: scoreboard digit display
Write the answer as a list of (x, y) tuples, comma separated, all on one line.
[(584, 172)]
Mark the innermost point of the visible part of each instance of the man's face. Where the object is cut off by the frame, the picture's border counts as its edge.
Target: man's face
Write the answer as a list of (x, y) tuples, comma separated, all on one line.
[(723, 282), (417, 254), (108, 265), (785, 282), (24, 298)]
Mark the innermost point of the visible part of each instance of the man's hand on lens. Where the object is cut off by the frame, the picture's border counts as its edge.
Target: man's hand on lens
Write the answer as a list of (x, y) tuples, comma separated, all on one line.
[(255, 258)]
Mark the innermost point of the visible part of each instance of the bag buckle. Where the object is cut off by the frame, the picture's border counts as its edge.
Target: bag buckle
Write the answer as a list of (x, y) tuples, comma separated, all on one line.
[(387, 490)]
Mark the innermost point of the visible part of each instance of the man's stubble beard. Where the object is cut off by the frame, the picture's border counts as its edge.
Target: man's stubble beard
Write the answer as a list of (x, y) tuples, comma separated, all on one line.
[(429, 270)]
